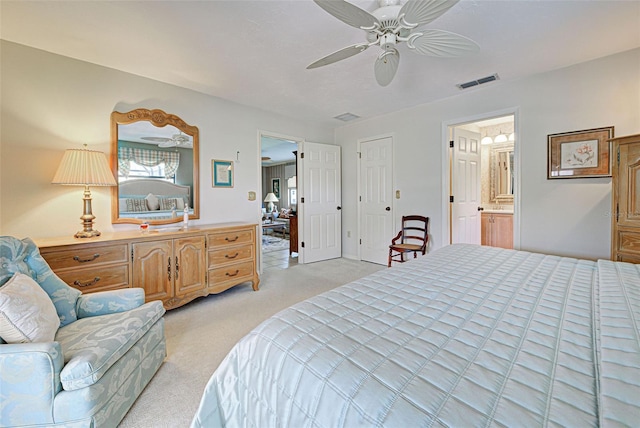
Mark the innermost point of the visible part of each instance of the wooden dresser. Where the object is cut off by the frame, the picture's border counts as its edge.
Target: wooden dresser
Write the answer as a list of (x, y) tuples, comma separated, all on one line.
[(173, 265), (625, 197)]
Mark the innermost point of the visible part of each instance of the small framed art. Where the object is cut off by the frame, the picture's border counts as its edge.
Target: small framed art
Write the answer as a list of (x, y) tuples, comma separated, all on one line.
[(221, 173), (275, 187), (580, 154)]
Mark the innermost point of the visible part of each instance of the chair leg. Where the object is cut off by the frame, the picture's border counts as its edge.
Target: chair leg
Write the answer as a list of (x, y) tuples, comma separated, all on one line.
[(389, 264)]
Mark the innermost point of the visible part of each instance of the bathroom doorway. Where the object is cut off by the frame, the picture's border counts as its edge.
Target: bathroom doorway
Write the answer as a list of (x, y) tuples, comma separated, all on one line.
[(482, 176)]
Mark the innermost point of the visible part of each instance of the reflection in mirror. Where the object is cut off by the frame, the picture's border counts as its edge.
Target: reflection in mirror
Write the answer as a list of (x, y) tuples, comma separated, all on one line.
[(502, 178), (154, 156)]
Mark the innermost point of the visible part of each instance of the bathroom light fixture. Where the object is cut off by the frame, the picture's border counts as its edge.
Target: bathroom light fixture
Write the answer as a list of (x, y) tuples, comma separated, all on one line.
[(512, 137), (82, 167), (501, 138), (486, 140)]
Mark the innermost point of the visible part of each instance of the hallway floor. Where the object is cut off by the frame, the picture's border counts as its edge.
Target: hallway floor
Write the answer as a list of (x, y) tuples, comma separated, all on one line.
[(278, 260)]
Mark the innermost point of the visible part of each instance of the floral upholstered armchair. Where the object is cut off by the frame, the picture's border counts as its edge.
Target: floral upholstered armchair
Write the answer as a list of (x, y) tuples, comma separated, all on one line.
[(68, 359)]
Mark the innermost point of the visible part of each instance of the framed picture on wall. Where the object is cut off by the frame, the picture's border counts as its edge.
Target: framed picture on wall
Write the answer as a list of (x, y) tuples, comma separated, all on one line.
[(275, 187), (221, 173), (580, 154)]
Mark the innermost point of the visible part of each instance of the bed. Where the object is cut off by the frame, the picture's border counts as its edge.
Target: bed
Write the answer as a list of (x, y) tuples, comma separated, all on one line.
[(152, 199), (465, 336)]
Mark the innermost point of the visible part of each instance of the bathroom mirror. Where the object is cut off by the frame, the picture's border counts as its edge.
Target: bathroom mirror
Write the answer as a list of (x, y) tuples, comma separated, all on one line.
[(502, 180), (155, 159)]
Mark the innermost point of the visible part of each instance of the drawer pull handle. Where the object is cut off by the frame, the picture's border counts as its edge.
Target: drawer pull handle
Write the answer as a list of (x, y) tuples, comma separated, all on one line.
[(227, 256), (169, 268), (86, 284), (177, 268), (231, 240), (233, 274), (79, 260)]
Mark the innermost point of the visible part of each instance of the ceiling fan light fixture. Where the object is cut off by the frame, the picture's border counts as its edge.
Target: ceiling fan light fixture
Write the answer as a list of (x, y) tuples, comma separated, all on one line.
[(391, 24)]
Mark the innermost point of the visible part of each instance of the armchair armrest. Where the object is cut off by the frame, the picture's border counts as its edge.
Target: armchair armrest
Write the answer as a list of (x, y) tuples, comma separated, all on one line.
[(109, 302), (398, 236), (29, 370)]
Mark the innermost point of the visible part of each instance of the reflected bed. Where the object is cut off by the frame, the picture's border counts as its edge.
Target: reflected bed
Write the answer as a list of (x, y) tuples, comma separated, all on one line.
[(149, 199), (465, 336)]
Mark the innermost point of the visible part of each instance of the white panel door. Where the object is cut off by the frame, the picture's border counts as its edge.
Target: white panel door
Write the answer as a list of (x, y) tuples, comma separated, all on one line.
[(321, 202), (376, 203), (465, 217)]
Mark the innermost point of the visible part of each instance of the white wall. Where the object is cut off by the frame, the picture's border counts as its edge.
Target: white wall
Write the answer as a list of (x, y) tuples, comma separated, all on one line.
[(567, 217), (51, 103)]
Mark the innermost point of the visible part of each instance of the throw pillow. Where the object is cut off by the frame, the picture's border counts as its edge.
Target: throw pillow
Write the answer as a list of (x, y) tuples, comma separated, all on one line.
[(152, 202), (137, 205), (27, 314), (167, 204), (23, 256)]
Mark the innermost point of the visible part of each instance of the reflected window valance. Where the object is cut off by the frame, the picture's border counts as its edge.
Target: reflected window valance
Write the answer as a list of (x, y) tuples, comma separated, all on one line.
[(148, 158)]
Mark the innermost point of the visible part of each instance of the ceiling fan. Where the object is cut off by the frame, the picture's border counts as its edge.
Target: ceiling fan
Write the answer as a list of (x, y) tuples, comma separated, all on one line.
[(392, 24), (176, 140)]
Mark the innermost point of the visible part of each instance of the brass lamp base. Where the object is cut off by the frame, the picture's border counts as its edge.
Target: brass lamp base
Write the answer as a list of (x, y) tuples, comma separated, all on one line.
[(87, 234), (87, 218)]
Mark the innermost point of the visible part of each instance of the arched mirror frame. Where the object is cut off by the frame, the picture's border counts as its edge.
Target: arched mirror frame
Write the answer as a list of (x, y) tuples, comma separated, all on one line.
[(160, 119)]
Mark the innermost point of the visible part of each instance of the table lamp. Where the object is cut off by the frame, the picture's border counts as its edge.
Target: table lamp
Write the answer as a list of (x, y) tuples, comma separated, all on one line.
[(271, 198), (82, 167)]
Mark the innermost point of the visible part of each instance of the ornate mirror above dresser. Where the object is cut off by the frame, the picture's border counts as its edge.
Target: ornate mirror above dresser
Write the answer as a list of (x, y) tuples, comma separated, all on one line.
[(155, 158)]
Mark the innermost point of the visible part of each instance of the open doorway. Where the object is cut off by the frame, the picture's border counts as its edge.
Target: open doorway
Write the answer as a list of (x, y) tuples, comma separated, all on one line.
[(279, 196), (483, 182)]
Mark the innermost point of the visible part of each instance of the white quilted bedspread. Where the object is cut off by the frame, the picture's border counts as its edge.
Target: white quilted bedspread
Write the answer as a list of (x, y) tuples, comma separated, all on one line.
[(466, 336)]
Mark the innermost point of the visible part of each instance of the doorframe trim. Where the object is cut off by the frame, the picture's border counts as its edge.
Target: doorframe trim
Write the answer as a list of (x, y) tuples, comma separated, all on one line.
[(446, 173), (360, 141)]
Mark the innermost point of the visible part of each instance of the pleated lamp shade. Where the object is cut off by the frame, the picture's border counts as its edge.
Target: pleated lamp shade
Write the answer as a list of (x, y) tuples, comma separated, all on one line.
[(84, 167)]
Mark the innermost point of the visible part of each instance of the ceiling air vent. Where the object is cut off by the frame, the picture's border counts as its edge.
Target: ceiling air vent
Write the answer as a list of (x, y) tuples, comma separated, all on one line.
[(346, 117), (477, 82)]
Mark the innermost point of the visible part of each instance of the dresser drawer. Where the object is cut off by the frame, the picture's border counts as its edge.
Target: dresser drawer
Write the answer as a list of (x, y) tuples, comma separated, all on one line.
[(233, 237), (82, 257), (230, 273), (629, 242), (97, 278), (225, 255)]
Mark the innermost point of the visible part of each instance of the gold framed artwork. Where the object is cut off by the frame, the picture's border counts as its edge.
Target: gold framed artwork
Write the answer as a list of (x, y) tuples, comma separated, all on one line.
[(221, 173), (580, 154)]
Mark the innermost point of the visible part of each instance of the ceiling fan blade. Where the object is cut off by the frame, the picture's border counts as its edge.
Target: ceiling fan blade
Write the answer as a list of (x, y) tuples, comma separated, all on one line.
[(386, 66), (343, 53), (420, 12), (441, 43), (349, 14), (169, 143), (156, 139)]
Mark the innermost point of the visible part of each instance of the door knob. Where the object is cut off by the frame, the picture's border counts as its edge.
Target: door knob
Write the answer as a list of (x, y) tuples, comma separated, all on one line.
[(480, 209), (388, 209), (339, 207)]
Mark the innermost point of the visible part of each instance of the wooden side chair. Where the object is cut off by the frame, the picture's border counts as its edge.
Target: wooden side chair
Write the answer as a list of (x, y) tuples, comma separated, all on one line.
[(413, 238)]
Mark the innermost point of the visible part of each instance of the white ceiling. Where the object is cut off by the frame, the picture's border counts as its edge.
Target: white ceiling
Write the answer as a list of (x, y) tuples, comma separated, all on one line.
[(255, 52)]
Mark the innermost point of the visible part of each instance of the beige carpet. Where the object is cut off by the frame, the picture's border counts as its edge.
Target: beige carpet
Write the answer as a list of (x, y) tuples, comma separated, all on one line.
[(200, 334)]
